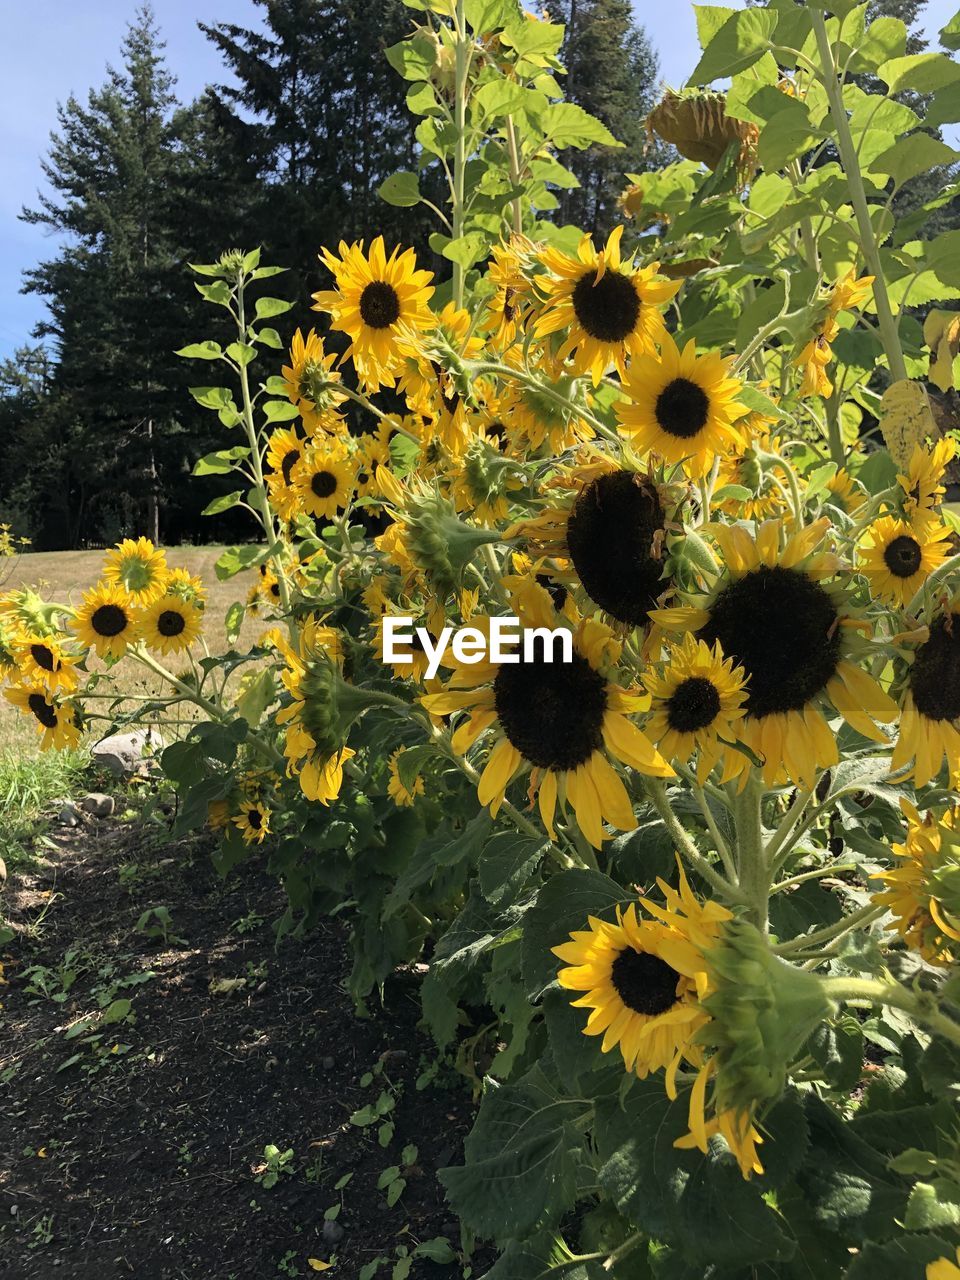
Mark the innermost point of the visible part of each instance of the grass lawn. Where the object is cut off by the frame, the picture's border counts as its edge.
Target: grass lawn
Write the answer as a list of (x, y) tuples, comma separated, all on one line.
[(63, 575)]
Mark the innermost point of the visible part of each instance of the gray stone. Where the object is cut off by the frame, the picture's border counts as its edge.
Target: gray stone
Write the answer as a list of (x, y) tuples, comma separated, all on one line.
[(69, 815), (125, 753), (99, 804), (332, 1232)]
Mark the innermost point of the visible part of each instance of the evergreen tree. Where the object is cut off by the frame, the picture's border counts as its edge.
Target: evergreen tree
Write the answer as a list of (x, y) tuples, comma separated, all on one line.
[(612, 72)]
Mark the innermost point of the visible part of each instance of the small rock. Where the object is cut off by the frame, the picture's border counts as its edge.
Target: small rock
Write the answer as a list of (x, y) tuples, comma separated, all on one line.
[(328, 1063), (124, 753), (14, 1210), (99, 804), (332, 1232), (69, 815)]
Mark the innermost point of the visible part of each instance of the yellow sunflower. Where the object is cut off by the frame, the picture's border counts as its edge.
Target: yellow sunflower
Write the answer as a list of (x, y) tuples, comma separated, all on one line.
[(254, 821), (107, 620), (312, 383), (922, 484), (58, 723), (139, 568), (643, 982), (735, 1127), (323, 481), (793, 636), (284, 450), (558, 720), (170, 624), (509, 271), (183, 583), (682, 406), (373, 452), (402, 795), (607, 309), (896, 557), (930, 707), (42, 662), (924, 888), (374, 299), (697, 705), (944, 1269)]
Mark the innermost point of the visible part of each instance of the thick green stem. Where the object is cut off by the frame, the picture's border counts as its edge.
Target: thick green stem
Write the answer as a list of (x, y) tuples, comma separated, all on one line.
[(889, 333), (462, 67), (921, 1005), (685, 846), (862, 916)]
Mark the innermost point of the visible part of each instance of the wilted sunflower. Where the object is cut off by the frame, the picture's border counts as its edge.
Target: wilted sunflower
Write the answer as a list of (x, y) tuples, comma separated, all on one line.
[(612, 527), (107, 620), (772, 615), (558, 720), (930, 710), (697, 704), (682, 406), (402, 795), (254, 821), (42, 662), (607, 308), (170, 624), (58, 723), (374, 299), (323, 481), (139, 568), (312, 383), (813, 359), (643, 982), (924, 888), (896, 557)]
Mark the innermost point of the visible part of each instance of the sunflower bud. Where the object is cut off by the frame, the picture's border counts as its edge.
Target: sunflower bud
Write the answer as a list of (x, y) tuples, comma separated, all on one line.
[(697, 124), (762, 1011), (441, 544)]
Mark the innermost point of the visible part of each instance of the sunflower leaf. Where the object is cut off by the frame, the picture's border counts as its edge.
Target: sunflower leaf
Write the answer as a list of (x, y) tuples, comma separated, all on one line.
[(563, 905)]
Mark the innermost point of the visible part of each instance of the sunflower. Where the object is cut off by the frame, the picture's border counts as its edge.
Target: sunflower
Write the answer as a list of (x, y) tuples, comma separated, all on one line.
[(559, 720), (607, 309), (924, 888), (613, 530), (139, 568), (743, 469), (107, 621), (312, 384), (58, 723), (813, 360), (735, 1127), (42, 661), (846, 493), (417, 668), (375, 298), (772, 615), (373, 452), (402, 795), (930, 710), (944, 1269), (697, 705), (534, 419), (509, 272), (896, 557), (284, 451), (186, 585), (170, 624), (643, 981), (922, 485), (682, 406), (323, 481), (254, 821)]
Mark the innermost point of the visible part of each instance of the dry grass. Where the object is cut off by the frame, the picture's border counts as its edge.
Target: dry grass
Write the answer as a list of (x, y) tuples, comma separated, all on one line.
[(63, 575)]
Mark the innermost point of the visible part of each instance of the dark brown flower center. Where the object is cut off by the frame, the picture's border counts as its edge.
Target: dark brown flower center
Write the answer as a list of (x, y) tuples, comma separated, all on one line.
[(109, 620), (783, 629), (323, 483), (44, 712), (693, 705), (682, 408), (935, 674), (290, 460), (170, 622), (608, 309), (902, 556), (43, 656), (254, 819), (645, 983), (552, 712), (379, 305), (613, 536)]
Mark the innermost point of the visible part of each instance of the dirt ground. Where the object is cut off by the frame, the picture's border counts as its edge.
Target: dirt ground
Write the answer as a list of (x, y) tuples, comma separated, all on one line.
[(147, 1062)]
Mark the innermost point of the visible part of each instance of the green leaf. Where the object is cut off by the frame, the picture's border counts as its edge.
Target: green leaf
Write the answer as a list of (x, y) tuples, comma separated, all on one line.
[(904, 1257), (507, 861), (521, 1159), (279, 411), (911, 156), (467, 249), (710, 18), (486, 16), (218, 292), (233, 620), (269, 338), (885, 39), (546, 1255), (563, 905), (263, 273), (837, 1049), (919, 72), (267, 308), (213, 397), (701, 1202), (235, 559), (219, 463), (400, 189), (255, 696), (413, 58), (223, 503), (787, 134), (503, 97), (567, 125), (741, 40), (201, 351), (932, 1205), (242, 353)]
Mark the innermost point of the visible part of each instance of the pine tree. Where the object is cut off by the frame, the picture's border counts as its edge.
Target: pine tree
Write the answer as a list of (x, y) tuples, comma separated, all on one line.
[(612, 72)]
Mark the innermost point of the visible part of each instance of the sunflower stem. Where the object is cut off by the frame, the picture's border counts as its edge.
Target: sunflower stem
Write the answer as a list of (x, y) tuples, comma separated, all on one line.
[(754, 869), (922, 1005), (687, 849), (462, 67), (862, 916)]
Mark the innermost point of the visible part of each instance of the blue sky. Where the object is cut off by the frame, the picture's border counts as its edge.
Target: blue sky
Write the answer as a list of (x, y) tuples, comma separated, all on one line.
[(42, 63)]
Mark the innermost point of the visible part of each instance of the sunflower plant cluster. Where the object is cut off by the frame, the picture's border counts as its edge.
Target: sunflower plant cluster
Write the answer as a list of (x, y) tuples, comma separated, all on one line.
[(689, 901)]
